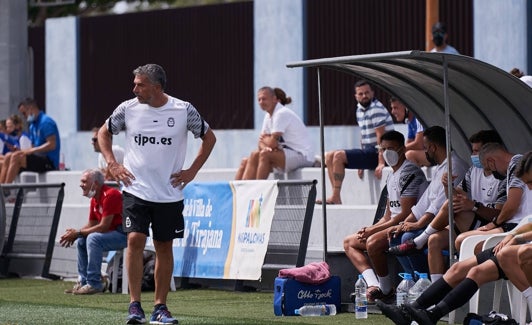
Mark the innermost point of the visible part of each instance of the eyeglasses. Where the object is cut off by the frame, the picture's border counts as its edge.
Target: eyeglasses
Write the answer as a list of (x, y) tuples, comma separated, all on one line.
[(94, 140)]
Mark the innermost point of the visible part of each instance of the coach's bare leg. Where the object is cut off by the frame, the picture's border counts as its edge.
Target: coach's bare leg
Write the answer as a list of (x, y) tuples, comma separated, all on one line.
[(164, 267), (135, 263)]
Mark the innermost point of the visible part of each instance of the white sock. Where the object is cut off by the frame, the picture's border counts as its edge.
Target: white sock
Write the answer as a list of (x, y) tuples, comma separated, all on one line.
[(370, 277), (435, 277), (385, 284), (423, 238)]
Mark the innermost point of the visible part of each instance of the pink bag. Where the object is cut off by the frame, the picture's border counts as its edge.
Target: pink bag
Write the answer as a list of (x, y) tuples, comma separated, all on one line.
[(313, 273)]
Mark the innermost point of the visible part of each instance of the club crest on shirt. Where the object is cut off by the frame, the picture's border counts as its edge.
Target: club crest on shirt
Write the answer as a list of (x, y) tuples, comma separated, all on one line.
[(170, 122)]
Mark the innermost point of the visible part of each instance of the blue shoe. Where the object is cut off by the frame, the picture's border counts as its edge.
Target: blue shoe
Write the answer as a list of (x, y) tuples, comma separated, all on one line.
[(162, 316), (136, 314)]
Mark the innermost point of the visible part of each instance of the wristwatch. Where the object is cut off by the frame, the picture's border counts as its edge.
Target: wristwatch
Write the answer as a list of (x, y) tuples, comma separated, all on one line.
[(476, 206)]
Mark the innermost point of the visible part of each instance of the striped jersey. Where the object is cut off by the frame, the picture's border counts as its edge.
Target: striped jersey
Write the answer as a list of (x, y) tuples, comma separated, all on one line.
[(156, 144), (369, 119)]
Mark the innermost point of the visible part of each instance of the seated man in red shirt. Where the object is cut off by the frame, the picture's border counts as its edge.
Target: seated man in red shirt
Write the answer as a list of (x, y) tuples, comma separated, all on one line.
[(102, 233)]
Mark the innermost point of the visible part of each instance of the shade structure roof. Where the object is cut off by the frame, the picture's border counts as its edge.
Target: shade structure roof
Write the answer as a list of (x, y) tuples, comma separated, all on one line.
[(480, 96)]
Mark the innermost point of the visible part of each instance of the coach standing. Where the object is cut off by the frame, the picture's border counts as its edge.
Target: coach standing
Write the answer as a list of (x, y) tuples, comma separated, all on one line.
[(156, 126)]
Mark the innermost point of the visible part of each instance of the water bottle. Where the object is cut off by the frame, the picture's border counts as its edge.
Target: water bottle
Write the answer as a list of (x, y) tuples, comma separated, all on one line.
[(418, 288), (361, 301), (403, 288), (62, 162), (316, 310)]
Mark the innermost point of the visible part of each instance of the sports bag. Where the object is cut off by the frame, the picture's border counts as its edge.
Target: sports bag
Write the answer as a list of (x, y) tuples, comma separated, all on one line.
[(492, 318)]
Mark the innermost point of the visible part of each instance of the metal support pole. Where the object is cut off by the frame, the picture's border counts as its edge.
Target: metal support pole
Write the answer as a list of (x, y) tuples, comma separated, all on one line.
[(449, 160), (322, 149)]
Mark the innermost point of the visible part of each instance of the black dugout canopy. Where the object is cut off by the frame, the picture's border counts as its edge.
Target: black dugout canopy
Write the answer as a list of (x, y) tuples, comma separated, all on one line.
[(480, 96), (457, 92)]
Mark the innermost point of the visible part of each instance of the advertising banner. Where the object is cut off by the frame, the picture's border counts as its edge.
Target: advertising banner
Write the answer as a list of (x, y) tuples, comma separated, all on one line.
[(227, 228)]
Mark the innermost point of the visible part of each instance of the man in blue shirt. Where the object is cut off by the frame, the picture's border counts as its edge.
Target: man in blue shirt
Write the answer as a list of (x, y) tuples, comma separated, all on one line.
[(46, 145)]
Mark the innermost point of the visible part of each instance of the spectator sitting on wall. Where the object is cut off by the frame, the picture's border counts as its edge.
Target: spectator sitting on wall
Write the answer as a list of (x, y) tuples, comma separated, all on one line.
[(373, 119), (13, 136), (414, 142), (284, 143), (44, 153)]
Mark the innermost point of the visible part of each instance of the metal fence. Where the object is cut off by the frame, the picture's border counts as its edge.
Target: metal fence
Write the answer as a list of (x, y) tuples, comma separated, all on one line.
[(29, 217)]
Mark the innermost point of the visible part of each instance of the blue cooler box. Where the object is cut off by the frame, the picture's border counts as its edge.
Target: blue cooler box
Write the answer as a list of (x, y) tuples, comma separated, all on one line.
[(290, 295)]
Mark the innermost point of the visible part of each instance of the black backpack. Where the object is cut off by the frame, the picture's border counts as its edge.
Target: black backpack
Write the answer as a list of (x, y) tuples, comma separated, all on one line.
[(148, 279), (492, 318)]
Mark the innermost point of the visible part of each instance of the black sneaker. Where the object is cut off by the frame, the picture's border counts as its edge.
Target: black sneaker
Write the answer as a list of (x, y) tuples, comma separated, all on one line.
[(396, 314), (406, 248), (422, 316), (136, 314), (375, 293)]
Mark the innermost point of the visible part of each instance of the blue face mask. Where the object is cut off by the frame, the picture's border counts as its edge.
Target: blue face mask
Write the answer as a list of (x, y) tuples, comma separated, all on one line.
[(476, 161), (31, 118)]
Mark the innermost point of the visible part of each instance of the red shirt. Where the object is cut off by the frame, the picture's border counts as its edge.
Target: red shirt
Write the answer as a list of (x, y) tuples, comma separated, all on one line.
[(108, 204)]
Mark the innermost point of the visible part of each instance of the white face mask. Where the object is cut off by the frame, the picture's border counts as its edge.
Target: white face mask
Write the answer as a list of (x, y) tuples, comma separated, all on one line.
[(391, 157), (90, 194)]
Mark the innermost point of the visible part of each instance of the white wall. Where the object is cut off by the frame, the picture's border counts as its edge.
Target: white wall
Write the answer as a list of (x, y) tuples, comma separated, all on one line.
[(61, 67), (499, 33), (278, 39)]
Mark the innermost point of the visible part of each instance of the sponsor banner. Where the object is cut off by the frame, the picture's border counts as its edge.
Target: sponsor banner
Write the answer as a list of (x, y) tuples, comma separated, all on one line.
[(227, 227)]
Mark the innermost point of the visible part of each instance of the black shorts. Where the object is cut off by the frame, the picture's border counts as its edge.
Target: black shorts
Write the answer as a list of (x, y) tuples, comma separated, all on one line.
[(508, 226), (39, 164), (477, 222), (166, 219), (362, 158), (486, 255)]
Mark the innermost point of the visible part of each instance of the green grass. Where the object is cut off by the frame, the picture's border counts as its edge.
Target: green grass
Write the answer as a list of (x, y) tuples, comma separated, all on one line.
[(30, 301)]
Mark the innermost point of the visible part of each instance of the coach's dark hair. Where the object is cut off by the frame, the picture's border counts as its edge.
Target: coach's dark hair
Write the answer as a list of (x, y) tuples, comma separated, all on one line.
[(363, 82), (395, 136), (436, 134), (28, 101), (154, 72), (486, 136)]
